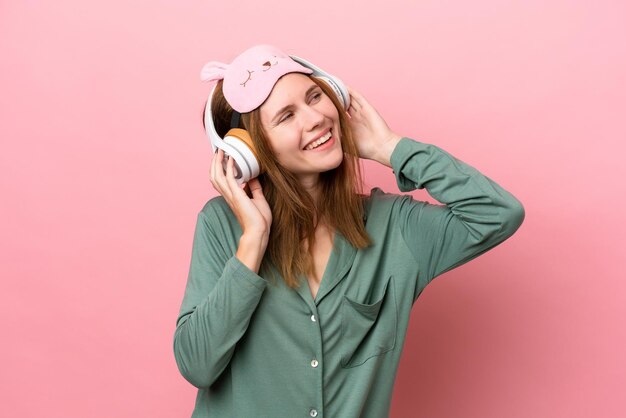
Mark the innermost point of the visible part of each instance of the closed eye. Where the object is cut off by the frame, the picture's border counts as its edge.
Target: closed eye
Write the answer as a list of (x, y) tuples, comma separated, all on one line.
[(286, 117), (316, 96)]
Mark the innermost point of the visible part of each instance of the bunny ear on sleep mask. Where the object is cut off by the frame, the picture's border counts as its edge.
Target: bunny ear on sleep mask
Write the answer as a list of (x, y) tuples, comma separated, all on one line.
[(213, 71)]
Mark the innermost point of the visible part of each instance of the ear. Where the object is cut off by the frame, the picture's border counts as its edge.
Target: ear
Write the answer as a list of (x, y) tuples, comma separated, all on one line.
[(213, 71)]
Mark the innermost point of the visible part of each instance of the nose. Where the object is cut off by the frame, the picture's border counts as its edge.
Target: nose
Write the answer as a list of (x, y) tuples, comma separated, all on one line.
[(314, 118)]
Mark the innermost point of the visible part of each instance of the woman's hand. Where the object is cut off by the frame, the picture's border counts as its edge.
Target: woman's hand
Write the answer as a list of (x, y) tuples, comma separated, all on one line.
[(253, 214), (374, 139)]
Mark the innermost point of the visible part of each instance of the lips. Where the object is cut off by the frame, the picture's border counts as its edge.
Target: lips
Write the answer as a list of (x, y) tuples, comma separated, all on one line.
[(319, 141)]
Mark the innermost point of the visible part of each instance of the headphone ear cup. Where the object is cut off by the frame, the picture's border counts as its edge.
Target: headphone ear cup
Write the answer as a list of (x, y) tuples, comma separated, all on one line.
[(237, 143), (243, 136), (243, 152)]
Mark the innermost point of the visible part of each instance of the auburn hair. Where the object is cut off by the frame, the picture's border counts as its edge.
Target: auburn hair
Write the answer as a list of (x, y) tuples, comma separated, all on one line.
[(294, 212)]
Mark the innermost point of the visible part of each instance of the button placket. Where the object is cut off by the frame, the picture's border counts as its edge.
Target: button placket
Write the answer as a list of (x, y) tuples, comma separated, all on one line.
[(314, 362)]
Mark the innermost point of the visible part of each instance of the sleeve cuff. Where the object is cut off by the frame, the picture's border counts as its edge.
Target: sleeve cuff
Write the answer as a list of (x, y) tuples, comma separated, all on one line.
[(237, 269), (402, 153)]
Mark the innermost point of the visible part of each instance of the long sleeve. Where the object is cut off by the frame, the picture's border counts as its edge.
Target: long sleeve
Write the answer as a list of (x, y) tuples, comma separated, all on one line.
[(476, 216), (220, 297)]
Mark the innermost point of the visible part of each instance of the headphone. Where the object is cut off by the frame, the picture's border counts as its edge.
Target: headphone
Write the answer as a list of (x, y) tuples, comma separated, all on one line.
[(237, 142)]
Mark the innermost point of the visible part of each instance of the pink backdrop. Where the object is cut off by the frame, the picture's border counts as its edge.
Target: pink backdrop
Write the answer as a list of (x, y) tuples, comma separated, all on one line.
[(104, 167)]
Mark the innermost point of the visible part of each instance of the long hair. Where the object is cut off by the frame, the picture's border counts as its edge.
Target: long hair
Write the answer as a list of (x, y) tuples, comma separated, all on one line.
[(294, 212)]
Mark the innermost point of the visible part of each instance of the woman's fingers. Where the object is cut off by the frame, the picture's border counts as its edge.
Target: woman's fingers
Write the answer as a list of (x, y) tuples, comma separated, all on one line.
[(256, 189), (357, 100), (251, 213), (353, 109), (217, 165), (214, 163), (230, 175), (220, 180), (258, 198)]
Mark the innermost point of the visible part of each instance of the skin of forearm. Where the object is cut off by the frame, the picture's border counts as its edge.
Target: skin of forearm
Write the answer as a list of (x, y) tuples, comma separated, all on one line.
[(251, 250)]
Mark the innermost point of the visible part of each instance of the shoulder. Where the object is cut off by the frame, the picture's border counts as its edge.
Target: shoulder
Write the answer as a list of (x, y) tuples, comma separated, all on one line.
[(216, 207), (218, 216)]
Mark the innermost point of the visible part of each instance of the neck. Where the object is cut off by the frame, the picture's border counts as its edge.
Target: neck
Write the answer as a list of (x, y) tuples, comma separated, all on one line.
[(311, 185)]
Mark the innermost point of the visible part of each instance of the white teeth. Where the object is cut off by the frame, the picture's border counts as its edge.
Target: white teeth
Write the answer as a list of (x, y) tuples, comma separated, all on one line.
[(318, 142)]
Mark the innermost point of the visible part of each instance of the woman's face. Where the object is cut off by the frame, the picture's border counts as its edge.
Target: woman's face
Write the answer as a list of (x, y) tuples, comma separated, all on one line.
[(302, 126)]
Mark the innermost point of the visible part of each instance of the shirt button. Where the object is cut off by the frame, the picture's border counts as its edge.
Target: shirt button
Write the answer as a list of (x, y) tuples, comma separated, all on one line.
[(313, 318), (314, 363), (313, 412)]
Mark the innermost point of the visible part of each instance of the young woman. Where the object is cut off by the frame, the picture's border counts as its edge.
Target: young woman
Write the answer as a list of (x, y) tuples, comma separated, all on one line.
[(300, 287)]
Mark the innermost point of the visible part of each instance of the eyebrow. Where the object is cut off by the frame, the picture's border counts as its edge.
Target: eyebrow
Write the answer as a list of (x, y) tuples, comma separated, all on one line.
[(284, 108)]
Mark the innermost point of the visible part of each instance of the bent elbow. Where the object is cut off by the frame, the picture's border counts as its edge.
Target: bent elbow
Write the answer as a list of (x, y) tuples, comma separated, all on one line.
[(513, 217), (197, 370), (189, 370), (197, 380)]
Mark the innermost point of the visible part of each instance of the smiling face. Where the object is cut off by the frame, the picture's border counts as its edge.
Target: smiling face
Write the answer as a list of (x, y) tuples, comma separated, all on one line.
[(302, 126)]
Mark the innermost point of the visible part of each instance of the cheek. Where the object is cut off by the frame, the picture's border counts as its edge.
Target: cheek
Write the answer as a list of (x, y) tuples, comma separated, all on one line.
[(286, 141), (331, 110), (276, 141), (282, 149)]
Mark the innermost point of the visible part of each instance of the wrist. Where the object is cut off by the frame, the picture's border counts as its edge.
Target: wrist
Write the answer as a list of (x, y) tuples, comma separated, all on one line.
[(251, 250), (384, 153)]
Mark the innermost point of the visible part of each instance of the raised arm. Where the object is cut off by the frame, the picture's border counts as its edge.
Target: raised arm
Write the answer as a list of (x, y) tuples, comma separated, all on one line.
[(223, 288), (476, 215)]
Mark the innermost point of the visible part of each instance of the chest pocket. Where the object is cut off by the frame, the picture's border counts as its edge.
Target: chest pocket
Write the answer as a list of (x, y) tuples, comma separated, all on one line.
[(368, 330)]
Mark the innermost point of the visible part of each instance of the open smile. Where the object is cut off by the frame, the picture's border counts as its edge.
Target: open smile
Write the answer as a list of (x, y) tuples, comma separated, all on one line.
[(319, 142)]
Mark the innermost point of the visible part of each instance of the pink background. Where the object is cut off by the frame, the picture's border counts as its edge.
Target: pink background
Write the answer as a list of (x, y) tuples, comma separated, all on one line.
[(104, 166)]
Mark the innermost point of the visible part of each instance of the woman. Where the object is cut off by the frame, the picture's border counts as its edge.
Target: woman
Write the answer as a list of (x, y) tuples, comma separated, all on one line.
[(300, 288)]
